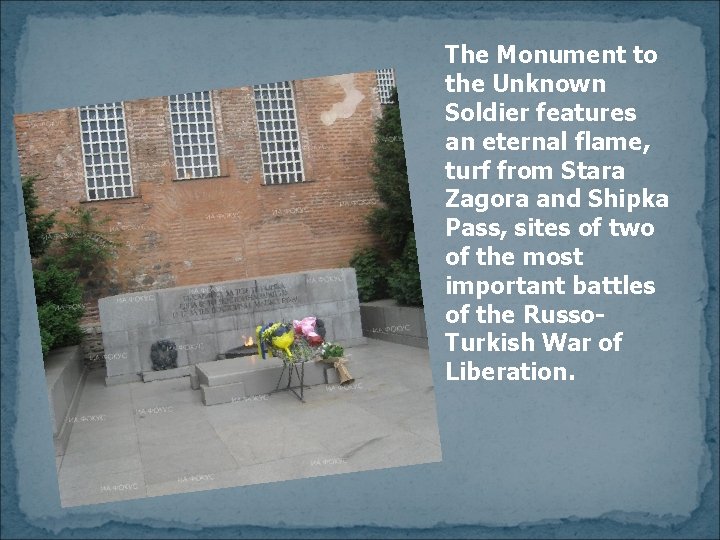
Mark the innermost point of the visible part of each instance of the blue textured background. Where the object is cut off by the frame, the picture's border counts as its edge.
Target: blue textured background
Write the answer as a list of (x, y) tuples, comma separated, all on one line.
[(107, 81)]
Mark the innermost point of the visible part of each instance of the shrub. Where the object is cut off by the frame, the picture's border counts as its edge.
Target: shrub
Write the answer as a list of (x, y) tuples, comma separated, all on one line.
[(60, 260), (393, 221), (59, 326), (371, 274), (38, 225), (85, 246), (404, 276), (59, 302)]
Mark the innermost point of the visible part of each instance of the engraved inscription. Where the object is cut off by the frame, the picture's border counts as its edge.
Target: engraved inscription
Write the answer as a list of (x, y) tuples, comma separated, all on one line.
[(214, 300)]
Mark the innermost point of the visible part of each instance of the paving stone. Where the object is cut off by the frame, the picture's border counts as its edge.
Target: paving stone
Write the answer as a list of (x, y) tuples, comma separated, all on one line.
[(386, 419)]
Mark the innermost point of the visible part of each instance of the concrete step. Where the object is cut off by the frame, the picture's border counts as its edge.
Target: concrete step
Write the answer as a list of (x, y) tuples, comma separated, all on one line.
[(225, 393)]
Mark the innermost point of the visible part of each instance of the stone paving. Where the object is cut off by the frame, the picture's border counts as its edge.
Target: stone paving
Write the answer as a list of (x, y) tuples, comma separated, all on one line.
[(145, 439)]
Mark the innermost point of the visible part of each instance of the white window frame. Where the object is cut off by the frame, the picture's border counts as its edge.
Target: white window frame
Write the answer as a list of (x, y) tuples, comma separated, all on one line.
[(270, 115), (100, 157), (385, 79), (196, 155)]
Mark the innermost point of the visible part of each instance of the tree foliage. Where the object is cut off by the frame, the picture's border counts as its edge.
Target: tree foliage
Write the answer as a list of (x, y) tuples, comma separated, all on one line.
[(38, 225), (392, 221), (58, 293), (84, 245), (404, 276), (58, 296), (371, 273)]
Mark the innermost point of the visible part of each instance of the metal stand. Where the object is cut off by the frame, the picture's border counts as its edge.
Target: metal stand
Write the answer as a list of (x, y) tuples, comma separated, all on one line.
[(290, 366)]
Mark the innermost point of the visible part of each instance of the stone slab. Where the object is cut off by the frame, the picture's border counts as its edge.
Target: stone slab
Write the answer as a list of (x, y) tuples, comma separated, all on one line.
[(116, 340), (232, 370), (254, 376), (262, 381), (388, 321), (123, 360), (225, 393), (175, 373), (122, 379), (412, 341), (128, 311), (315, 373), (64, 375), (330, 374), (332, 285), (206, 320), (346, 327)]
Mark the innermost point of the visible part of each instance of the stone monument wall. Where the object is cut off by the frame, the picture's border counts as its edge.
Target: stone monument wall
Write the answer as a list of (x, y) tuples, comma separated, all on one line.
[(205, 320)]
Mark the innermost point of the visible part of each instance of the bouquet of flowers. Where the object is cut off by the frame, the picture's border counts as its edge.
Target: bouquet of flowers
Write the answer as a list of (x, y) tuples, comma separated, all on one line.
[(311, 329), (301, 341), (281, 340), (332, 353), (276, 338)]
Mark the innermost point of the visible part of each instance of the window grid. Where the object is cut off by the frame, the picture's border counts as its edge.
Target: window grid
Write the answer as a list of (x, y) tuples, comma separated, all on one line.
[(105, 151), (193, 131), (278, 132), (385, 84)]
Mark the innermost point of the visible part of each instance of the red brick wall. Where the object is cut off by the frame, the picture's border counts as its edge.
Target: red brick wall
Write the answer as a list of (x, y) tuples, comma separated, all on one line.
[(203, 230)]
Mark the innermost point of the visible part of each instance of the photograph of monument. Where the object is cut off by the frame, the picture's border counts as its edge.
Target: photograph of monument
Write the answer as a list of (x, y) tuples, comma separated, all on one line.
[(238, 264)]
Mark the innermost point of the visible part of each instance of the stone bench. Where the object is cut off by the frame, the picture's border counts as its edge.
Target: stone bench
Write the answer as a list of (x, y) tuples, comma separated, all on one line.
[(235, 379)]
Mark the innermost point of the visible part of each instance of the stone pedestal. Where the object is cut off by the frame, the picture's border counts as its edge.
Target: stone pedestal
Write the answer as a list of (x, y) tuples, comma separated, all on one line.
[(236, 379)]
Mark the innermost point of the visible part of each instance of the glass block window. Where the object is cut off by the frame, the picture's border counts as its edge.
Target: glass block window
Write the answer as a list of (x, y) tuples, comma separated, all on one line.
[(105, 152), (193, 131), (385, 84), (278, 131)]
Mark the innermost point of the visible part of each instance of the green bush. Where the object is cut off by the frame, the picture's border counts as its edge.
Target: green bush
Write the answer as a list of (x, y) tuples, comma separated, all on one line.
[(85, 245), (58, 326), (59, 262), (404, 276), (393, 221), (371, 274), (59, 302), (38, 225)]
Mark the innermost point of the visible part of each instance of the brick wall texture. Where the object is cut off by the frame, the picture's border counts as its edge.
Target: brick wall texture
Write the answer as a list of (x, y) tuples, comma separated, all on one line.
[(186, 232)]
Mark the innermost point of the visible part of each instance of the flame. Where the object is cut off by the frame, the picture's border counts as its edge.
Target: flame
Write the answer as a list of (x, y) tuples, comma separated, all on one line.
[(248, 341)]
